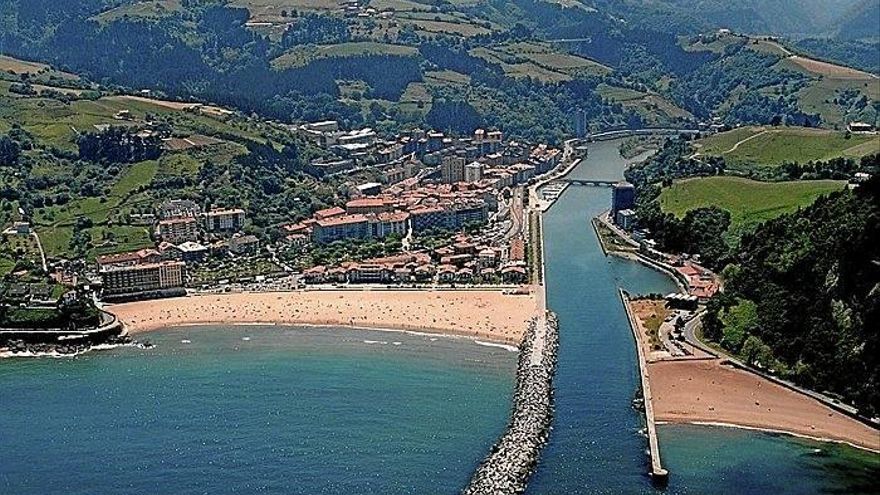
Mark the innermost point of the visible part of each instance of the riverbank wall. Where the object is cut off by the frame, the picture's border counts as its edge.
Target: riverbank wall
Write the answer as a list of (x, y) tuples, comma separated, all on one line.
[(507, 468), (657, 472)]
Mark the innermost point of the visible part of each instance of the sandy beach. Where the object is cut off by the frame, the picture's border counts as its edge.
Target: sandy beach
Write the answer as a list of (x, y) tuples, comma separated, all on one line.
[(702, 390), (705, 391), (487, 315)]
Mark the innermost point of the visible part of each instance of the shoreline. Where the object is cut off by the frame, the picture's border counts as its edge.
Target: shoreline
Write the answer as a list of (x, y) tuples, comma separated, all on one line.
[(772, 431), (706, 391), (431, 333), (709, 390), (480, 315)]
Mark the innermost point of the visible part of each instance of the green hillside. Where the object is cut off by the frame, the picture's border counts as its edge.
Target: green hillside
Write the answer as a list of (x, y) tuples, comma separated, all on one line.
[(749, 202), (621, 64), (302, 56), (773, 146), (84, 207)]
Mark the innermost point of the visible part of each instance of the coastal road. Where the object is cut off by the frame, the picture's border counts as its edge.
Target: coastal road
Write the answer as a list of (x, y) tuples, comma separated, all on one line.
[(516, 214), (690, 334)]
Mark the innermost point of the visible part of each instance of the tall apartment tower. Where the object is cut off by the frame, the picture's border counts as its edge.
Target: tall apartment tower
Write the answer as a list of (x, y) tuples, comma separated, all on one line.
[(623, 197)]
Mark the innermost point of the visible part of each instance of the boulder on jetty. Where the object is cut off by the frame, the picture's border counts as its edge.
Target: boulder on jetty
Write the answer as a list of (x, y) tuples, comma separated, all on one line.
[(513, 458)]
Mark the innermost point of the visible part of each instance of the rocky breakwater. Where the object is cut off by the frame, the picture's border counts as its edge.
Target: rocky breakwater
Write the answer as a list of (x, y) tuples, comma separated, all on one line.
[(513, 458), (36, 342)]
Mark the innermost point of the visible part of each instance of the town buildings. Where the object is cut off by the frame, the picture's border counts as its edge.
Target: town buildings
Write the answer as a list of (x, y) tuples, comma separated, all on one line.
[(138, 278), (224, 220), (625, 219), (176, 230), (452, 169)]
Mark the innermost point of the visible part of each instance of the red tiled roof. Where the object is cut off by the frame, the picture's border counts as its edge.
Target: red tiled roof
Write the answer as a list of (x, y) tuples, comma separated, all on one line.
[(329, 212), (343, 220)]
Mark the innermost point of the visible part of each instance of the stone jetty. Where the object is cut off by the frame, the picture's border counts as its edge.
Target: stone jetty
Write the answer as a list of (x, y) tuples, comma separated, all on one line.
[(513, 458)]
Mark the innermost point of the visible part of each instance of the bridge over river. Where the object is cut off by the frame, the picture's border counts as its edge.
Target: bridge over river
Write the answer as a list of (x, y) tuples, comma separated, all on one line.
[(586, 182)]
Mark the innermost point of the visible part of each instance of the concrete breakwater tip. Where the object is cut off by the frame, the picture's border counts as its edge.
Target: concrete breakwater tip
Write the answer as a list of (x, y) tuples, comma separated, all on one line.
[(507, 468)]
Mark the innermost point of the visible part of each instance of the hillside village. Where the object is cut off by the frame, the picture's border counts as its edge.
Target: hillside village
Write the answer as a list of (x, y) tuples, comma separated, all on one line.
[(439, 207)]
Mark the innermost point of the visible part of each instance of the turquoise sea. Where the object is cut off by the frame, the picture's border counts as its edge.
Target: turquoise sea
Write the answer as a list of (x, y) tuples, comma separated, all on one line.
[(282, 410), (290, 411)]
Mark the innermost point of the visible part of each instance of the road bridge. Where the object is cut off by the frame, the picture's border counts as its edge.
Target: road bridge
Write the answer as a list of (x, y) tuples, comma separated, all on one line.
[(587, 182)]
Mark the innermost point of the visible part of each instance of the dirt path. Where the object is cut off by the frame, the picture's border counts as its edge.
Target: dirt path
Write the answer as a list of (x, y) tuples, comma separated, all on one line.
[(753, 136)]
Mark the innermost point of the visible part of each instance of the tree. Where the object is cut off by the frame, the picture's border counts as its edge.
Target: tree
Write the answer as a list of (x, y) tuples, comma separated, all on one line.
[(9, 151)]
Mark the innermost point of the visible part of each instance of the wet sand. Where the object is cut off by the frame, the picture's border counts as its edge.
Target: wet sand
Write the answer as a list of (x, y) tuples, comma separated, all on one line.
[(487, 315), (705, 391)]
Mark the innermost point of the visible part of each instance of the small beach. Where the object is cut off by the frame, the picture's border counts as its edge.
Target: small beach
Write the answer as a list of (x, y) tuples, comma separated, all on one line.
[(484, 315), (700, 389), (709, 392)]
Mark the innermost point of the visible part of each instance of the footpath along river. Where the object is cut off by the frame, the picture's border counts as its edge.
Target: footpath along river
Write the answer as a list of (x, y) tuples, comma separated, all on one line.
[(596, 446)]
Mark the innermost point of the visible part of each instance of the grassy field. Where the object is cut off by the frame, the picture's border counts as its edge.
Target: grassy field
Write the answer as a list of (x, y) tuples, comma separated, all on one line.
[(147, 10), (822, 96), (302, 56), (270, 10), (445, 77), (14, 248), (540, 61), (415, 99), (749, 202), (55, 224), (400, 5), (652, 107), (771, 146)]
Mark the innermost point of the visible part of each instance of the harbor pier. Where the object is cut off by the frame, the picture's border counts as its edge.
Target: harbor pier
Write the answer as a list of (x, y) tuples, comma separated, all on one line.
[(658, 474), (506, 470)]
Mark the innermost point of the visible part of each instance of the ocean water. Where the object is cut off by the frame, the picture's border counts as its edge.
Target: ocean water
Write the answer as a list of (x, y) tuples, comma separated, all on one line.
[(289, 411)]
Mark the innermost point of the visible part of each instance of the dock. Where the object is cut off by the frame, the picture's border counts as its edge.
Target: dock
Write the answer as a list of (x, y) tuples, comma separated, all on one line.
[(657, 472)]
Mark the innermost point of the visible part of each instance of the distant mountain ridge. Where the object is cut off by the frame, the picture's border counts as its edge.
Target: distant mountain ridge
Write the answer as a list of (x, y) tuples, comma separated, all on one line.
[(861, 22)]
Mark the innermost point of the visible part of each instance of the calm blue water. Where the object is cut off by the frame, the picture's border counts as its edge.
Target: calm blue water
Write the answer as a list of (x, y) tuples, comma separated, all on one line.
[(292, 411), (312, 411)]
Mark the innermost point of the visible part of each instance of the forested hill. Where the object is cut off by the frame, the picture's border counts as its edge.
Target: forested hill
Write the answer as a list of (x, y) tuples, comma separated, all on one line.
[(802, 297), (446, 65)]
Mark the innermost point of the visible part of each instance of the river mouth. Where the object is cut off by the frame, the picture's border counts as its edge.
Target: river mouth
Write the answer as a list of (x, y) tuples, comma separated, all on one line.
[(297, 410), (597, 444)]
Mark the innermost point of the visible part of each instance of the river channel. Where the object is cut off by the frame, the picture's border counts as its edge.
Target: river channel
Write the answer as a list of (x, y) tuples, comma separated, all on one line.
[(596, 445)]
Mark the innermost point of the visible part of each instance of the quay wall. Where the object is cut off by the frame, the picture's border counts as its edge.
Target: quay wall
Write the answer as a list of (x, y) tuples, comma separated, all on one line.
[(657, 472), (507, 468)]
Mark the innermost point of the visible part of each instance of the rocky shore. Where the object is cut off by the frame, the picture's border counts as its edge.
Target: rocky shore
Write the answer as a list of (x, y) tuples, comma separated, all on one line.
[(21, 348), (32, 342), (513, 458)]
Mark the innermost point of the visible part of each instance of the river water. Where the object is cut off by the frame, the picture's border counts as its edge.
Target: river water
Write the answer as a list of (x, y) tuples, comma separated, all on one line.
[(596, 446), (276, 410)]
